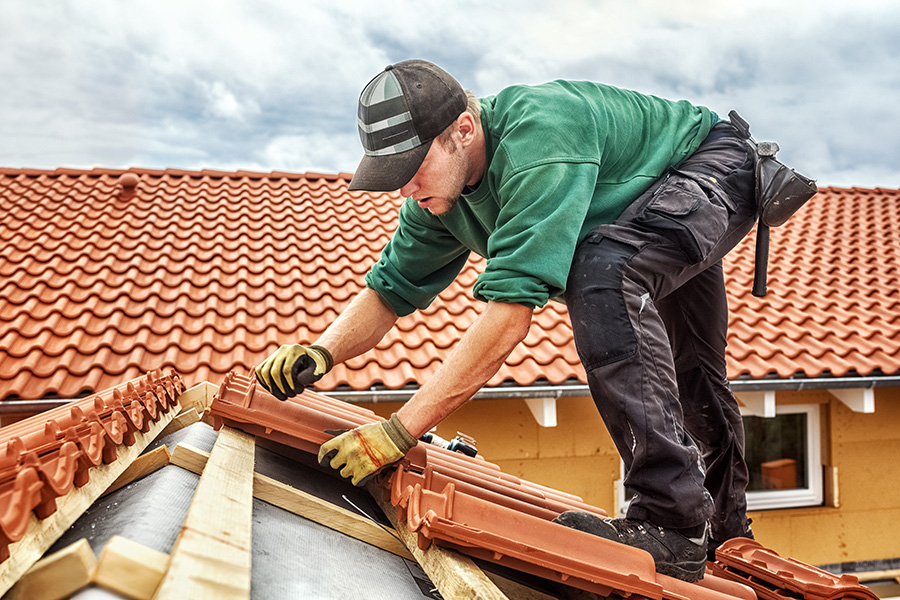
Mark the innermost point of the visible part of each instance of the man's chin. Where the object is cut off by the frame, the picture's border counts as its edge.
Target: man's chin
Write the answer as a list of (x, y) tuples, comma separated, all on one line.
[(444, 208)]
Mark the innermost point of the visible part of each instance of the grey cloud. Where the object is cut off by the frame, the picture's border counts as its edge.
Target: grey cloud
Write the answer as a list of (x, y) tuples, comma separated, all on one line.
[(273, 85)]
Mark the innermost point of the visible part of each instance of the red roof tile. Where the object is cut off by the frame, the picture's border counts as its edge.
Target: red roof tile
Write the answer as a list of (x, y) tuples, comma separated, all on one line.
[(103, 277), (466, 503), (43, 457), (833, 306)]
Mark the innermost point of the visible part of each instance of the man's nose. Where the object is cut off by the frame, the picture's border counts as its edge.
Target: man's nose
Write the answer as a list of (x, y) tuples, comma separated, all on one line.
[(409, 189)]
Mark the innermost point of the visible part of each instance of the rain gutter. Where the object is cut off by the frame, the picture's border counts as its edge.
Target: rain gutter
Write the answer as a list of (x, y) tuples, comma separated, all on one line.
[(569, 390), (376, 395)]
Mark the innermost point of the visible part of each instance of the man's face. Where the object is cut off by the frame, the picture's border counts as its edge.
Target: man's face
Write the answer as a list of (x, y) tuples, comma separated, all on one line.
[(440, 180)]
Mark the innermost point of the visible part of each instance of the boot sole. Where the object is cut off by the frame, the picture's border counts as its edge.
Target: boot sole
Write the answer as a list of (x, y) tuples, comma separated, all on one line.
[(688, 572)]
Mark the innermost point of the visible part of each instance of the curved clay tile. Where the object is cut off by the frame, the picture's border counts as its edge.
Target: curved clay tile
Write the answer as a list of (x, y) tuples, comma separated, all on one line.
[(212, 270)]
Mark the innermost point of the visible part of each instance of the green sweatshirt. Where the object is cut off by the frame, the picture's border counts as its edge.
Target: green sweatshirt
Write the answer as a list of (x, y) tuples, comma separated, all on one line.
[(562, 158)]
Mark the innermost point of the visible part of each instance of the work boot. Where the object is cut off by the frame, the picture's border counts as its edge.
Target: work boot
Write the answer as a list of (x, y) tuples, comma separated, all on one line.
[(714, 544), (674, 553)]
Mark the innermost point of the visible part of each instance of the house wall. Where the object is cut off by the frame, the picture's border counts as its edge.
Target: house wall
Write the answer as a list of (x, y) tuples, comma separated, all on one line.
[(579, 457), (865, 449)]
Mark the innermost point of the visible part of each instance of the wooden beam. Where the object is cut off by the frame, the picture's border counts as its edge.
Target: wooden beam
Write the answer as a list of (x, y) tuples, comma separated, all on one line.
[(41, 533), (757, 404), (57, 576), (861, 400), (454, 575), (870, 576), (514, 589), (198, 397), (832, 489), (211, 557), (130, 569), (141, 466), (303, 504), (543, 410), (181, 420)]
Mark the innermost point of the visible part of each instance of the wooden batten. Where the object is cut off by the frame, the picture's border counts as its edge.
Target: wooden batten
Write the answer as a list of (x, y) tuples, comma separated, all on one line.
[(57, 576), (302, 504), (211, 557)]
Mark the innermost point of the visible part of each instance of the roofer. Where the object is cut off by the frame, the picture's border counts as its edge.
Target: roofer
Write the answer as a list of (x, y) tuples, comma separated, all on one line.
[(621, 204)]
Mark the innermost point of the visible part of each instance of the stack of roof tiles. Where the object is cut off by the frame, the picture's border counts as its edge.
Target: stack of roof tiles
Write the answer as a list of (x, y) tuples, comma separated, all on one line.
[(105, 274), (466, 503), (43, 457)]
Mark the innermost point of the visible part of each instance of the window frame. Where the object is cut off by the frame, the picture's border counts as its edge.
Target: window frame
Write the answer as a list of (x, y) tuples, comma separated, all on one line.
[(814, 493)]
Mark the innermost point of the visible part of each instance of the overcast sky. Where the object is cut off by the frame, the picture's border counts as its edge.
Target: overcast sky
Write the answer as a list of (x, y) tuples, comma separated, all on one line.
[(272, 85)]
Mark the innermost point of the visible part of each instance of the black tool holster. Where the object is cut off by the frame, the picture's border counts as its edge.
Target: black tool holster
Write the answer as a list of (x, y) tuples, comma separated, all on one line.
[(780, 192)]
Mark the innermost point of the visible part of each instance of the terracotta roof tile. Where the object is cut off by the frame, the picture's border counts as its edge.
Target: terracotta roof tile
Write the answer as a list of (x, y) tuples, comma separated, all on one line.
[(453, 500), (44, 456), (833, 306), (107, 273)]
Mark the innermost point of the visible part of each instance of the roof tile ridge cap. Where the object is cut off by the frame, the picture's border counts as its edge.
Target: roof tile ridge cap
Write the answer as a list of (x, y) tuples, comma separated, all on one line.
[(327, 176), (101, 407), (27, 171)]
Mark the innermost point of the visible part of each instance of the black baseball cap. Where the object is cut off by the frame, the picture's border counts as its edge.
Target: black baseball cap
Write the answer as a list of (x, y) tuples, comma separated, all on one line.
[(401, 111)]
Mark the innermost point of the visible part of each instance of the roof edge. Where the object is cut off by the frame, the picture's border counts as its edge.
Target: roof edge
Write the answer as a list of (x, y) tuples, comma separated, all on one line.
[(173, 172), (570, 390)]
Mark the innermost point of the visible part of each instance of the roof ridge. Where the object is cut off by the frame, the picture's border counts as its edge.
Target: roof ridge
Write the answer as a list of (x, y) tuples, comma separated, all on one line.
[(175, 172)]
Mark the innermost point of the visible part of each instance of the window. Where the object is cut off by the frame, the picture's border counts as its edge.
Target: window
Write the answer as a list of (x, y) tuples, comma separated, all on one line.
[(783, 457)]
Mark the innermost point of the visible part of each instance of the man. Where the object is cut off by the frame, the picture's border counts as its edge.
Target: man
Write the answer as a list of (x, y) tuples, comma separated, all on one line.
[(623, 205)]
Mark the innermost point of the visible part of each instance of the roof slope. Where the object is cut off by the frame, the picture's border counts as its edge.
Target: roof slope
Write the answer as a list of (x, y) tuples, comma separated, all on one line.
[(105, 274), (466, 503)]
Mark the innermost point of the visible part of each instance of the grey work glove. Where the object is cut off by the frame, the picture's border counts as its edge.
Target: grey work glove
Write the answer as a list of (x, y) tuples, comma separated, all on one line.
[(292, 368)]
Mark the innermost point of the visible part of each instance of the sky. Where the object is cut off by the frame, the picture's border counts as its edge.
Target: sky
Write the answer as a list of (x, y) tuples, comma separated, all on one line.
[(272, 85)]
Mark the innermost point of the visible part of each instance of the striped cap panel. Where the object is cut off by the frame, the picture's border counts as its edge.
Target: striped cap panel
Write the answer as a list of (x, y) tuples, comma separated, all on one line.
[(385, 123)]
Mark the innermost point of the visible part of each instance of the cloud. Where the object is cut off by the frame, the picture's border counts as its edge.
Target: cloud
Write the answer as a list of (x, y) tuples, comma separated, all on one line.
[(311, 152), (223, 103), (273, 84)]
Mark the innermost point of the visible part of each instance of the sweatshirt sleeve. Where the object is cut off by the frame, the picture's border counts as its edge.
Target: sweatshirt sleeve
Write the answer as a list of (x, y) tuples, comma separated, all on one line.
[(530, 253), (418, 263)]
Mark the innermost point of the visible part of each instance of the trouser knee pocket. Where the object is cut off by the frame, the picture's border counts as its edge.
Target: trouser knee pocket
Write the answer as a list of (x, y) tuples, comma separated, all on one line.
[(600, 322)]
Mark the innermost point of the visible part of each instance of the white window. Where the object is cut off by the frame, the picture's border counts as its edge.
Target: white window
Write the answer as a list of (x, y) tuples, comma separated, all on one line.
[(783, 457)]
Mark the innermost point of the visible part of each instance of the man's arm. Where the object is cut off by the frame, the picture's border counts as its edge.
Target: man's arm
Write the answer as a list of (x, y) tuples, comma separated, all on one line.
[(476, 358), (359, 328), (361, 452)]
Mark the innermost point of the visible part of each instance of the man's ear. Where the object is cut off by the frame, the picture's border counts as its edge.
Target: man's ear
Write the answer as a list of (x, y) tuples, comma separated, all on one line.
[(467, 128)]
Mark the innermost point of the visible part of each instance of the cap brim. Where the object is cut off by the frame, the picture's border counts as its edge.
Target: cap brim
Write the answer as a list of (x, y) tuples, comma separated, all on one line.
[(388, 173)]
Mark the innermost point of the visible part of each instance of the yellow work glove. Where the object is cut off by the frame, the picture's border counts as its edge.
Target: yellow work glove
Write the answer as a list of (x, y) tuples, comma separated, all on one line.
[(292, 368), (361, 452)]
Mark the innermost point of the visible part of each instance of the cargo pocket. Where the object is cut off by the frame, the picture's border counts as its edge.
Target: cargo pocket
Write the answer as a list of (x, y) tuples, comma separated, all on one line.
[(693, 218)]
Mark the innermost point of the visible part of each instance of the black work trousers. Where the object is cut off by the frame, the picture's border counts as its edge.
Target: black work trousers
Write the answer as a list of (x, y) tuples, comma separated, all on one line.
[(646, 297)]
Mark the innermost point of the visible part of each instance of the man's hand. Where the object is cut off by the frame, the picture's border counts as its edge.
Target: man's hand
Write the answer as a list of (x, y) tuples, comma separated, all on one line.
[(361, 452), (293, 367)]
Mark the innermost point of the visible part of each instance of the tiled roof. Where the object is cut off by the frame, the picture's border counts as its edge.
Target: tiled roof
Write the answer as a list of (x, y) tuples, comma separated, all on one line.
[(105, 274), (466, 503), (833, 306)]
